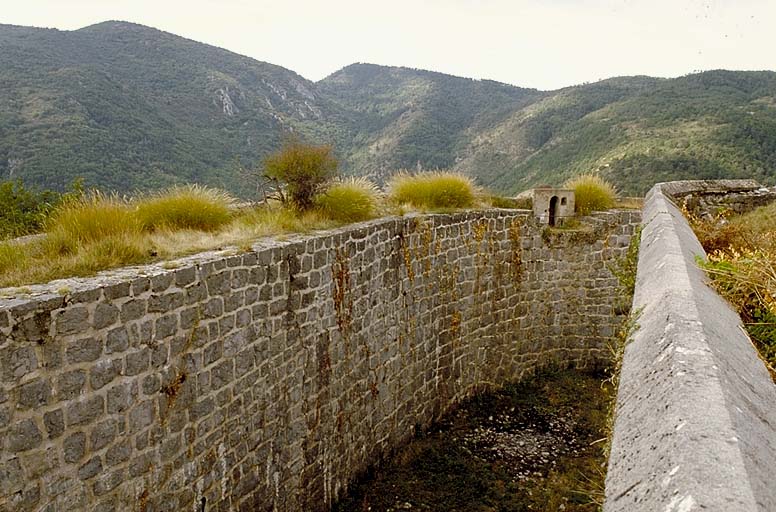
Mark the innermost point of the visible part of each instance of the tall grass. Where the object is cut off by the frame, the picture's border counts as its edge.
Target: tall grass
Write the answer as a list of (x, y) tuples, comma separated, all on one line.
[(90, 218), (591, 193), (273, 220), (349, 200), (86, 220), (432, 190), (12, 256), (90, 232), (184, 207), (742, 264)]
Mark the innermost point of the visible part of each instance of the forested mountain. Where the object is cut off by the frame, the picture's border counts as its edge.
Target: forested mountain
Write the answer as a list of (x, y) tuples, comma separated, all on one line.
[(637, 131), (127, 106), (408, 118)]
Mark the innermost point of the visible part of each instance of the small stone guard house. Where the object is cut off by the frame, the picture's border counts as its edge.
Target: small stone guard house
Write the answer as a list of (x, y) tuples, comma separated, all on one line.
[(552, 205)]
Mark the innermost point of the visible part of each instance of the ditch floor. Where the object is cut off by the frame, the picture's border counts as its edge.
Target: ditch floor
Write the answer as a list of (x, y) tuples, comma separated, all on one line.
[(537, 445)]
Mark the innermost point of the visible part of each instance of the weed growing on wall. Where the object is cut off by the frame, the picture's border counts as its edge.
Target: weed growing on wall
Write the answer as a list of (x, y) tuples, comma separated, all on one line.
[(624, 269), (303, 169), (747, 279)]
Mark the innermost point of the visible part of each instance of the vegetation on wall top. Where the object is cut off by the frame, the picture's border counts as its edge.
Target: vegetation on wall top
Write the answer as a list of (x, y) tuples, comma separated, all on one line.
[(742, 264)]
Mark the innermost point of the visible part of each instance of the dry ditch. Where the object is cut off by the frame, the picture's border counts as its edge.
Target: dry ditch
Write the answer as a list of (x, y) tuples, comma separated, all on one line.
[(530, 446)]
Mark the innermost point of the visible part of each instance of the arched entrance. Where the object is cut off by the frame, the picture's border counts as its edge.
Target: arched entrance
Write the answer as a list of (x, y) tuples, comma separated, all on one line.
[(553, 210)]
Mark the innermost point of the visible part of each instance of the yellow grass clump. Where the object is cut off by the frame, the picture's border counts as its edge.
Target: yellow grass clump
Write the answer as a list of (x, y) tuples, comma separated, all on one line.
[(87, 219), (349, 200), (591, 193), (184, 207), (432, 190)]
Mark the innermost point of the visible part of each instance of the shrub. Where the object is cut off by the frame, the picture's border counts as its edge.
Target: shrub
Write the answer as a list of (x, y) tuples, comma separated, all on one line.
[(303, 169), (519, 203), (184, 207), (23, 211), (591, 193), (90, 218), (350, 200), (436, 189)]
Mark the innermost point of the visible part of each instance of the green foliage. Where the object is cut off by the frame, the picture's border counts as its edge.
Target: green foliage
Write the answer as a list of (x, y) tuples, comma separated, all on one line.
[(591, 193), (350, 200), (640, 130), (96, 103), (23, 211), (432, 190), (406, 118), (624, 269), (184, 207), (303, 168), (522, 203)]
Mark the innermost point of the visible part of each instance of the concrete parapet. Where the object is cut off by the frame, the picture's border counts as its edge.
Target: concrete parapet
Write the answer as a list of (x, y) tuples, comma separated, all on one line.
[(695, 425)]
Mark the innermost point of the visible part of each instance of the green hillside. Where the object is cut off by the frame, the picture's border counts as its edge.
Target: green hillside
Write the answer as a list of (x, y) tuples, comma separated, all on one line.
[(129, 107), (638, 131), (408, 118), (126, 106)]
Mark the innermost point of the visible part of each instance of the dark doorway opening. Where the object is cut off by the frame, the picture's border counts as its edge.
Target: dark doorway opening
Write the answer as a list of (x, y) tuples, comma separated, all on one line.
[(553, 210)]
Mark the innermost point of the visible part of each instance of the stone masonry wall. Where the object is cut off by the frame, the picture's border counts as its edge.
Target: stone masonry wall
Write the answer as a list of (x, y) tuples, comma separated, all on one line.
[(267, 380)]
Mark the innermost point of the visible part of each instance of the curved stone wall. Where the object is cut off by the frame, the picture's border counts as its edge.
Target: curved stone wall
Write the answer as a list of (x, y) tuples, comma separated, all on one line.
[(269, 379), (695, 424)]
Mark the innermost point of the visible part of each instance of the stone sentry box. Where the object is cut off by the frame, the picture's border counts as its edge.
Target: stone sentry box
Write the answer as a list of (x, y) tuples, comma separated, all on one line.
[(553, 205)]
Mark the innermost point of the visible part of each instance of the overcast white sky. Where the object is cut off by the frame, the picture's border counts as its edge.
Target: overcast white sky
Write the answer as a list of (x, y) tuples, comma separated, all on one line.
[(544, 44)]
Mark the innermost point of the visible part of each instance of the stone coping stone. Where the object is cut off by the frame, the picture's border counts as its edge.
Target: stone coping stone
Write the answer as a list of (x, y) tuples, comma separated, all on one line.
[(695, 424), (14, 296), (682, 188)]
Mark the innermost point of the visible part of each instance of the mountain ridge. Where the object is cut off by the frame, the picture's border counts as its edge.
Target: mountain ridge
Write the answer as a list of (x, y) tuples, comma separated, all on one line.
[(128, 106)]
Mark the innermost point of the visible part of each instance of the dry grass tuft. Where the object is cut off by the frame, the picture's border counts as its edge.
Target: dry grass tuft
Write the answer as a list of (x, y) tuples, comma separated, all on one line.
[(190, 207), (742, 264), (432, 190), (349, 200), (88, 219), (591, 193)]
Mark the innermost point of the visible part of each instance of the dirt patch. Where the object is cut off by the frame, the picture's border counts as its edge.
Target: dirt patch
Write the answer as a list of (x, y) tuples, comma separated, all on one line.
[(531, 446)]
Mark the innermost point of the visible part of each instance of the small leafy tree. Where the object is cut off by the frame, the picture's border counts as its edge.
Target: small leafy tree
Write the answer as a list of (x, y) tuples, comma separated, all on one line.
[(24, 210), (304, 170)]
